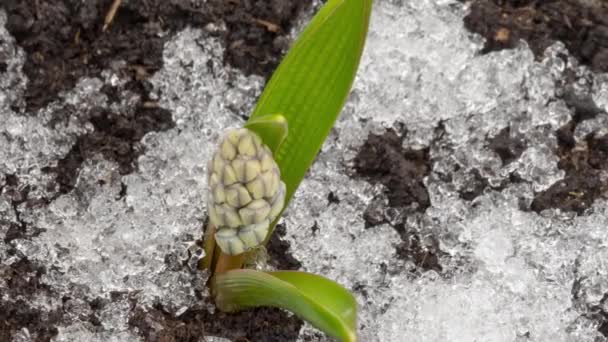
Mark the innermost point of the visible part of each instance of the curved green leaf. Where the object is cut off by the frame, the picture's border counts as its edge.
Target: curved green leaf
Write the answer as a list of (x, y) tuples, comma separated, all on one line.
[(323, 303), (323, 291), (312, 83)]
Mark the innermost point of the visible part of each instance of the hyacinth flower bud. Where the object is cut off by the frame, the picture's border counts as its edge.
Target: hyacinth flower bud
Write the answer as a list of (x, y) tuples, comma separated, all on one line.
[(246, 193)]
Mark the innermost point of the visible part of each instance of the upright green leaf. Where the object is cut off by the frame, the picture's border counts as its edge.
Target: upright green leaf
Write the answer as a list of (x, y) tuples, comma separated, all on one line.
[(320, 301), (312, 83)]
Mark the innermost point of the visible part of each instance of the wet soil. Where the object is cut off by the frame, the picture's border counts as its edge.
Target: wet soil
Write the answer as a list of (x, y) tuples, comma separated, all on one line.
[(278, 251), (583, 164), (23, 280), (474, 186), (383, 159), (596, 312), (508, 146), (422, 251), (63, 42), (265, 324), (583, 161), (581, 25), (116, 136)]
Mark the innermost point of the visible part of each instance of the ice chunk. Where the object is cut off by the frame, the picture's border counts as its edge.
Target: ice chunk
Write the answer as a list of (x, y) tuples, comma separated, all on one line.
[(83, 332), (600, 91)]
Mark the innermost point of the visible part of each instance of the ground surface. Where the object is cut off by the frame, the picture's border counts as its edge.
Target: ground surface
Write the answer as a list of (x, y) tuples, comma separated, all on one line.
[(474, 209)]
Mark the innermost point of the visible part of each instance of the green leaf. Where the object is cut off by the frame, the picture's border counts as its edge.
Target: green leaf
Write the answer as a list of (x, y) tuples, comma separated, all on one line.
[(271, 128), (323, 303), (312, 83)]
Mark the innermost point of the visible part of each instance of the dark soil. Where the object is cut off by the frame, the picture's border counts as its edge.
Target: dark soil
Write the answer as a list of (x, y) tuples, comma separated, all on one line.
[(63, 39), (383, 160), (116, 136), (261, 324), (423, 252), (18, 194), (583, 164), (264, 325), (64, 42), (474, 186), (23, 276), (581, 27), (603, 328), (278, 251), (23, 279), (595, 312), (507, 146), (582, 183), (332, 198), (256, 36)]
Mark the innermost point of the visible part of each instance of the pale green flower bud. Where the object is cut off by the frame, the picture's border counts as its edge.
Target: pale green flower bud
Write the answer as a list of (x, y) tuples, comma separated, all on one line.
[(245, 191)]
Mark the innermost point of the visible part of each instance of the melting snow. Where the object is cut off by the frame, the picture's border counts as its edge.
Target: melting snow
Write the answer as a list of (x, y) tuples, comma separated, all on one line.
[(508, 275)]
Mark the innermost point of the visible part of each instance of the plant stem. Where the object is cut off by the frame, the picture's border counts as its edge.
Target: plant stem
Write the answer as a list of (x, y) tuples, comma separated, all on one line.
[(226, 262), (209, 246), (215, 260)]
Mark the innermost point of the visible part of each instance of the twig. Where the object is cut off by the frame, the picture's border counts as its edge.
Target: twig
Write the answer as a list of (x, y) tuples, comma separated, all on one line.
[(271, 27), (111, 14), (150, 104)]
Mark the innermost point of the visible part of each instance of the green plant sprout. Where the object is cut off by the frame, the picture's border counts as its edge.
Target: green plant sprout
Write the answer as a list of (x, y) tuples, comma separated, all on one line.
[(257, 169)]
